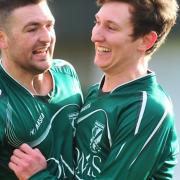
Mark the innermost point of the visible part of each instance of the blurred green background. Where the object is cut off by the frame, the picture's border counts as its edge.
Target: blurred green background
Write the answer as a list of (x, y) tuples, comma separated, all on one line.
[(74, 21)]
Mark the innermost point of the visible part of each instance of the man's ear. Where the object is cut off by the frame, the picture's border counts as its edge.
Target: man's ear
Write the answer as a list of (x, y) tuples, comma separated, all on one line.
[(3, 40), (148, 41)]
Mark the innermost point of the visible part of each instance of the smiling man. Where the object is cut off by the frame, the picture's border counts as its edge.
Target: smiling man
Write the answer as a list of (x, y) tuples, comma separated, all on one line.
[(127, 132), (40, 97)]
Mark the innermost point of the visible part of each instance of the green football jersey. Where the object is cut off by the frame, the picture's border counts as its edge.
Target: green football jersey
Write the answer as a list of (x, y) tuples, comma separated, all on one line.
[(126, 134), (44, 122)]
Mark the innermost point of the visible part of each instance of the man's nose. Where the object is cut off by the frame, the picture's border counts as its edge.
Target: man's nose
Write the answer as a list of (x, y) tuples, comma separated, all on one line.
[(97, 34), (45, 35)]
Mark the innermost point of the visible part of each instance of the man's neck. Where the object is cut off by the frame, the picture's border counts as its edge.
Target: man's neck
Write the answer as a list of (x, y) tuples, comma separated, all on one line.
[(40, 84), (114, 79), (43, 83)]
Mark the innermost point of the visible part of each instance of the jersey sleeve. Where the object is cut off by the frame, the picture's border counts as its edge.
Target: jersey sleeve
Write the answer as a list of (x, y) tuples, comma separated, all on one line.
[(2, 120), (43, 175), (166, 168), (66, 76), (144, 144)]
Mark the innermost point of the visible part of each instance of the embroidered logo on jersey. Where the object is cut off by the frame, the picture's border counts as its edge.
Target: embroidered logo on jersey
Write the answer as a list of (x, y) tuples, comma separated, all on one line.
[(87, 164), (38, 124), (96, 137), (60, 167), (72, 117), (12, 133)]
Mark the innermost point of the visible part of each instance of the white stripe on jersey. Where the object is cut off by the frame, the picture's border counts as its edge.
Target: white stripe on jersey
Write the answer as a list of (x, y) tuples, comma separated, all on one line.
[(120, 150), (109, 134), (152, 134), (144, 101), (14, 141)]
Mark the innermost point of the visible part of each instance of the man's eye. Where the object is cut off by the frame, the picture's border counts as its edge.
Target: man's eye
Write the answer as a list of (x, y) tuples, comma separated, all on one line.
[(111, 28), (50, 26), (31, 30)]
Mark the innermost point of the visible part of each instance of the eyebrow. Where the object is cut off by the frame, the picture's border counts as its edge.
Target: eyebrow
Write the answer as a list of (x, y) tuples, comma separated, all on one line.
[(36, 23), (108, 21)]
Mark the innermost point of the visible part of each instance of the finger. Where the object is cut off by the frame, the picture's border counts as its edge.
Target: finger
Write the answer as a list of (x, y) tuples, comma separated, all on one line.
[(19, 153), (15, 160), (26, 148), (17, 170), (13, 166), (38, 151)]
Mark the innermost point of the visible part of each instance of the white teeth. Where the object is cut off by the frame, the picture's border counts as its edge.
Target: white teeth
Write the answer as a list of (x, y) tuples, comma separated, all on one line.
[(103, 49), (41, 51)]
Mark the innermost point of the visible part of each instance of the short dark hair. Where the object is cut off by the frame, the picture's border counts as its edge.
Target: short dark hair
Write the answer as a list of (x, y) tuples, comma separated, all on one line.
[(7, 6), (151, 15)]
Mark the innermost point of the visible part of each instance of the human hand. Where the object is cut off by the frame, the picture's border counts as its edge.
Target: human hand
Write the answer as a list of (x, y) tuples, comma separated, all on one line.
[(26, 161)]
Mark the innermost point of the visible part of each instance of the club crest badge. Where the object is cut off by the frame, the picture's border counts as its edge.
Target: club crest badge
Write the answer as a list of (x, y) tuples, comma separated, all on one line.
[(97, 132)]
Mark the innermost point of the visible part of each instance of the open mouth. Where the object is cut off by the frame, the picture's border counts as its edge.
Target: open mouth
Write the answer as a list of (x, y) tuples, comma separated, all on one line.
[(41, 51), (103, 49)]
